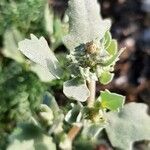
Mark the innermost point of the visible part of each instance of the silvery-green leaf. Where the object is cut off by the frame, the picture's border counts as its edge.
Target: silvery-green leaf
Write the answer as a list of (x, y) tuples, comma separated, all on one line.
[(58, 115), (11, 39), (23, 145), (29, 133), (46, 114), (131, 124), (43, 73), (76, 89), (38, 51), (46, 143), (65, 143), (51, 102), (92, 130), (74, 115), (86, 23)]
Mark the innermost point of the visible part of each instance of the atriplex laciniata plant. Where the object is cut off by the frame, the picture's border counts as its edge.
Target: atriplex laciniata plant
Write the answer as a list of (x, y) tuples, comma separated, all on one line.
[(93, 54)]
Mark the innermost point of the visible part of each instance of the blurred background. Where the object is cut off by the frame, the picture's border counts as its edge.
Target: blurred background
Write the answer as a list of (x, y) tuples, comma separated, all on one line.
[(22, 83)]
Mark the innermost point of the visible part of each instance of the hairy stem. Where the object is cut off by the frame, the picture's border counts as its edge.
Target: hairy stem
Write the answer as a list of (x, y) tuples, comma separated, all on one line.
[(90, 101), (92, 89)]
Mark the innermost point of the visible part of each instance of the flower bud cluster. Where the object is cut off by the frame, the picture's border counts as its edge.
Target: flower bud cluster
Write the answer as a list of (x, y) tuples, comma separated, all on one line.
[(89, 55)]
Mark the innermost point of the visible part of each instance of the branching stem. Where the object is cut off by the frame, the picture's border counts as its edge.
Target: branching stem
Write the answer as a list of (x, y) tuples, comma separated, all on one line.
[(76, 129)]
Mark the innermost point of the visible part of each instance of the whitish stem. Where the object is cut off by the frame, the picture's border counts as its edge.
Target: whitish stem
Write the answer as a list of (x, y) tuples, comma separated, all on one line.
[(76, 129), (92, 89)]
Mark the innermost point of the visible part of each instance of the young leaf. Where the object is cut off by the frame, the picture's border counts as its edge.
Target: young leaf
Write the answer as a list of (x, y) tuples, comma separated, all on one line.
[(51, 102), (85, 23), (107, 39), (113, 59), (76, 89), (74, 115), (131, 124), (46, 114), (38, 51), (106, 77), (111, 101), (112, 48)]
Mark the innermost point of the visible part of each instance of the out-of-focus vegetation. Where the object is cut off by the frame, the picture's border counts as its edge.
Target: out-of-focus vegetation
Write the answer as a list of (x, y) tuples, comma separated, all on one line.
[(26, 16), (21, 93), (21, 90)]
